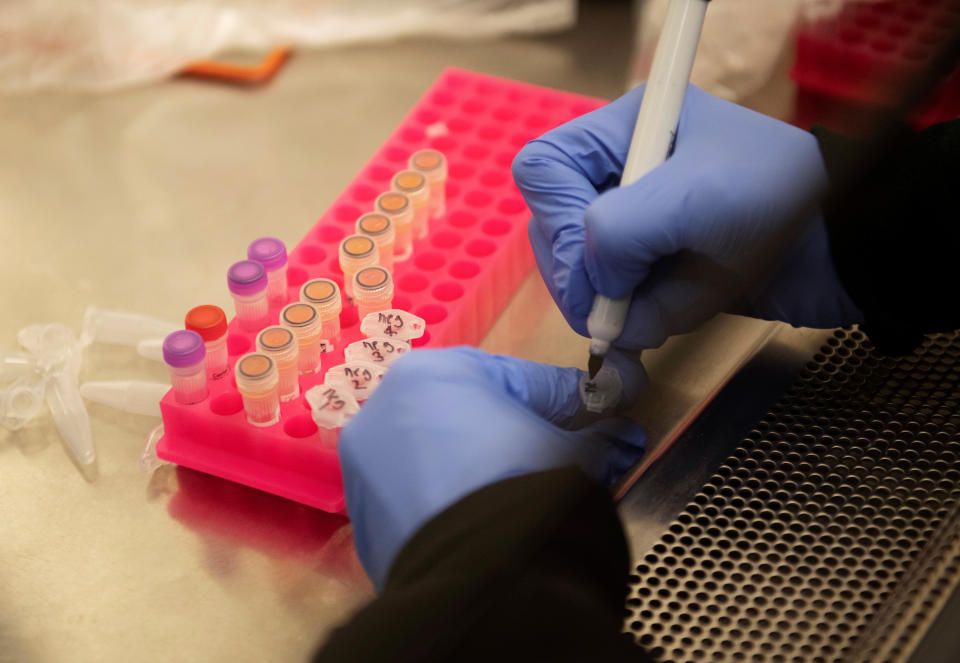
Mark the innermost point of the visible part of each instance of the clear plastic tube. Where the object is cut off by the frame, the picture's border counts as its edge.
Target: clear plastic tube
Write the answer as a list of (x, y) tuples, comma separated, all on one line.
[(258, 382), (379, 228), (433, 165), (356, 252), (133, 396), (304, 321), (272, 254), (399, 209), (211, 323), (184, 352), (70, 416), (372, 290), (217, 360), (189, 383), (121, 328), (252, 310), (414, 184), (280, 344), (324, 294)]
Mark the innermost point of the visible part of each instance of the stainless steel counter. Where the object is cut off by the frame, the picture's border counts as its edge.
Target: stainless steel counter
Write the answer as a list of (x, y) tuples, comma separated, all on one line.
[(136, 200)]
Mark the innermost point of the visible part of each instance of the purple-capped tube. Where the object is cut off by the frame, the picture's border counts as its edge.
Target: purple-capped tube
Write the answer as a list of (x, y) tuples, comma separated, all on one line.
[(272, 254), (184, 351), (247, 281)]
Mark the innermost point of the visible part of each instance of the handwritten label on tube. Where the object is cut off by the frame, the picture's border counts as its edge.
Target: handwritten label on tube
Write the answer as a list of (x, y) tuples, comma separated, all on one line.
[(379, 351), (358, 378), (331, 406), (394, 324)]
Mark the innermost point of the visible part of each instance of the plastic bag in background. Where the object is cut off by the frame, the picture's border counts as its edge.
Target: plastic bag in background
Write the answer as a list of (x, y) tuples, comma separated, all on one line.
[(101, 44), (741, 43)]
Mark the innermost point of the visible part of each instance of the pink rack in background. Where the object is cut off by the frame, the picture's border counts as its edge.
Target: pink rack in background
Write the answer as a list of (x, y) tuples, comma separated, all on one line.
[(458, 280), (849, 63)]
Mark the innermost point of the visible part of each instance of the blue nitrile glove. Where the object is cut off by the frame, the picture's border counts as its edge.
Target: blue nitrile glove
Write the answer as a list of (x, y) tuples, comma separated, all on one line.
[(445, 423), (687, 237)]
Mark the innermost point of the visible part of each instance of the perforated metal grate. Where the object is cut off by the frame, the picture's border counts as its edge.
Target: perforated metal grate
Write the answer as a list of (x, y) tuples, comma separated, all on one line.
[(831, 533)]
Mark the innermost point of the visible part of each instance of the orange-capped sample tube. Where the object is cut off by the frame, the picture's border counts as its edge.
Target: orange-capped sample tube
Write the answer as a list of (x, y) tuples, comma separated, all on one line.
[(324, 294), (356, 252), (304, 321), (257, 381), (280, 344), (433, 165), (414, 184), (372, 290), (398, 208), (378, 227)]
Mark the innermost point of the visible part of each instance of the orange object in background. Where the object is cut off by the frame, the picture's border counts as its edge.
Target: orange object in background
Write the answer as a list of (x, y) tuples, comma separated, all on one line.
[(260, 72)]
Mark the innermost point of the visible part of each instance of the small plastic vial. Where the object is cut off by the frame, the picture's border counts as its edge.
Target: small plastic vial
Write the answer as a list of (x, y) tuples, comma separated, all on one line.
[(372, 290), (257, 381), (272, 254), (413, 183), (434, 167), (380, 230), (304, 321), (356, 252), (184, 353), (324, 294), (211, 323), (280, 344), (247, 281), (398, 208)]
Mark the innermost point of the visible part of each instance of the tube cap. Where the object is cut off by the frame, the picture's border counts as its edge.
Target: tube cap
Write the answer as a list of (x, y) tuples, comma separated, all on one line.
[(320, 291), (269, 251), (207, 320), (183, 348), (246, 277)]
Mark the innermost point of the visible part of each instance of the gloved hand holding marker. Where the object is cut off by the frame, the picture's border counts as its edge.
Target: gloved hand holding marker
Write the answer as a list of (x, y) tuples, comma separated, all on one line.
[(682, 242)]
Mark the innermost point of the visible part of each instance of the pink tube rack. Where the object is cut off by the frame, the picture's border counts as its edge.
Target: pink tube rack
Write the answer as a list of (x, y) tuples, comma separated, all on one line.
[(865, 53), (458, 280)]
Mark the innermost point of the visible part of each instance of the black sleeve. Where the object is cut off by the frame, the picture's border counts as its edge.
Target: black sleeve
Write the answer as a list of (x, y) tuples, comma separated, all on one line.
[(896, 241), (533, 568)]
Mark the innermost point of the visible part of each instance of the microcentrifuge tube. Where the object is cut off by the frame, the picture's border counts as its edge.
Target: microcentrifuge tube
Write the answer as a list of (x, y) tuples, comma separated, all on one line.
[(134, 396), (393, 323), (258, 382), (359, 378), (372, 290), (324, 294), (272, 254), (331, 406), (151, 348), (414, 184), (398, 208), (280, 344), (379, 351), (247, 281), (120, 327), (380, 230), (604, 391), (356, 252), (21, 401), (70, 415), (211, 323), (434, 166), (184, 352), (304, 321)]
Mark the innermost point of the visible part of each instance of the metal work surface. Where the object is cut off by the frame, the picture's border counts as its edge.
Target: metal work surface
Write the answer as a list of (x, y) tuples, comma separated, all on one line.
[(832, 530)]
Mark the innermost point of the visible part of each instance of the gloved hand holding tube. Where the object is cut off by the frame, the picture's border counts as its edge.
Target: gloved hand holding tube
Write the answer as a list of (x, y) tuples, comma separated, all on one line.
[(445, 423)]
